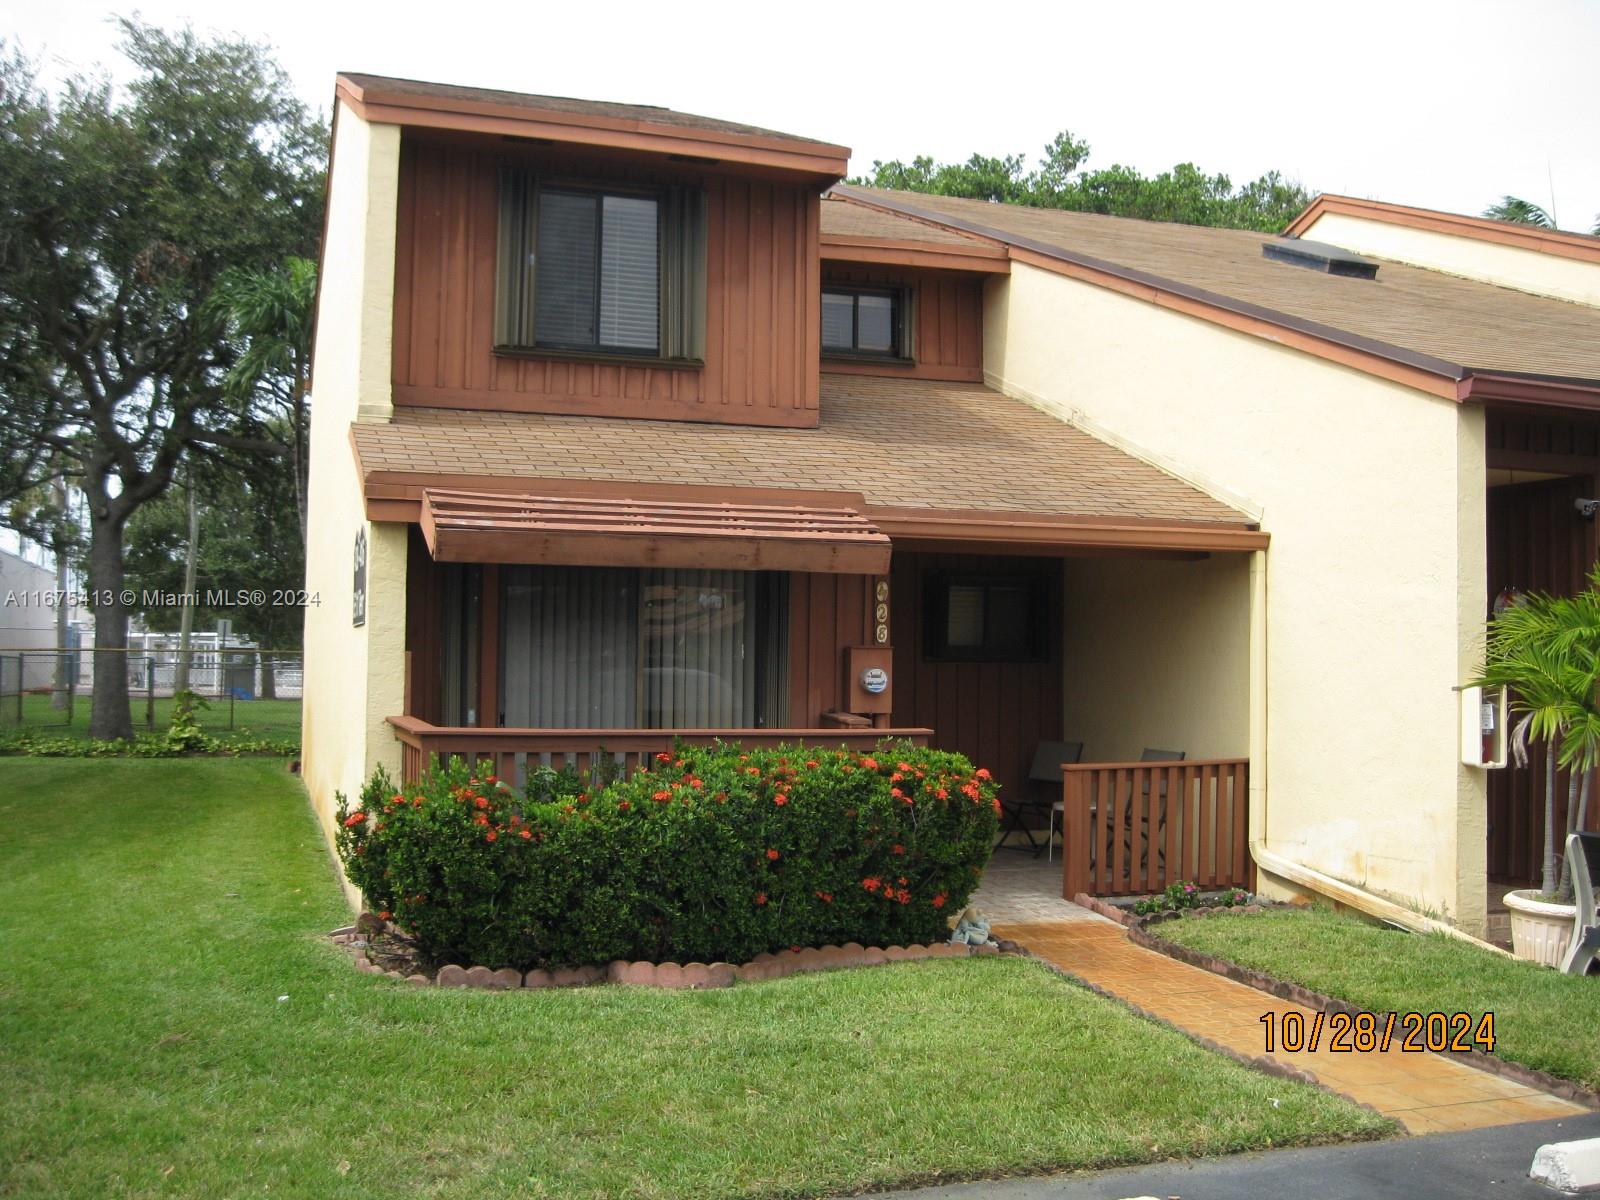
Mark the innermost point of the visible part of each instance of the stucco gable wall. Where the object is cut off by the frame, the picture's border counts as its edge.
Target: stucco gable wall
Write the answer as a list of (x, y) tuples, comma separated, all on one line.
[(1373, 495), (1472, 258), (354, 675)]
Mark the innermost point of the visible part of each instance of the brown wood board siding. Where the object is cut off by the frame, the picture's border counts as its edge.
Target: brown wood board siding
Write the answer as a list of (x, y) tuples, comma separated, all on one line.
[(761, 312), (946, 316), (424, 631), (826, 614), (995, 713), (1536, 542)]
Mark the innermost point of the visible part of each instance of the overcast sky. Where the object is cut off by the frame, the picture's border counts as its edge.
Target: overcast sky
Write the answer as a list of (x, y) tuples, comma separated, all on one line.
[(1440, 104)]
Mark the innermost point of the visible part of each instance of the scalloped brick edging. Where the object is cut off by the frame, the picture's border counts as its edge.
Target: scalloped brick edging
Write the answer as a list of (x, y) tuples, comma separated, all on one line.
[(665, 974), (1284, 989)]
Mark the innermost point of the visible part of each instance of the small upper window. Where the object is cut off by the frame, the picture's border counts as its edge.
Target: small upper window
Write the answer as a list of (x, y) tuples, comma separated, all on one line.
[(985, 618), (593, 271), (863, 322)]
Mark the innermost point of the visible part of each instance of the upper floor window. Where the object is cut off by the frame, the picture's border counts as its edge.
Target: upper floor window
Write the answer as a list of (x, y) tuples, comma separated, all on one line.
[(864, 321), (600, 271)]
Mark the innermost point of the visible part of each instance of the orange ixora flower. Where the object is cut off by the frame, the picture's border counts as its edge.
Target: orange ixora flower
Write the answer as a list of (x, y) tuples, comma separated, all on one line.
[(526, 834), (780, 800), (773, 855), (481, 802), (354, 819), (623, 806), (663, 797), (761, 898), (938, 901), (982, 773), (490, 836)]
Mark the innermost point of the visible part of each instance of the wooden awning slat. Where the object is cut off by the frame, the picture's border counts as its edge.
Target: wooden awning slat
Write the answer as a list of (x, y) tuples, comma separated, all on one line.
[(467, 526)]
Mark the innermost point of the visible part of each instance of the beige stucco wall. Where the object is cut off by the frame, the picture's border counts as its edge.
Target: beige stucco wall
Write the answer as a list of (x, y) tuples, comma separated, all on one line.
[(1157, 654), (354, 675), (1473, 258), (1373, 495)]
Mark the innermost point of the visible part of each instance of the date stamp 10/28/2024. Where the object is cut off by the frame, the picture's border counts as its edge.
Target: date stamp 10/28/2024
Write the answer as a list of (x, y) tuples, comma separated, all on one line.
[(1369, 1033)]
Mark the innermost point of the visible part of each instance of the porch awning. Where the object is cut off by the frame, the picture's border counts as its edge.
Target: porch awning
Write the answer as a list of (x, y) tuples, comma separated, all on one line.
[(585, 531)]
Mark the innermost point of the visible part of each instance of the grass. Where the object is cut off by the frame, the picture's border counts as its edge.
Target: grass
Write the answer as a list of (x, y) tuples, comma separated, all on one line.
[(173, 1023), (259, 718), (1543, 1019)]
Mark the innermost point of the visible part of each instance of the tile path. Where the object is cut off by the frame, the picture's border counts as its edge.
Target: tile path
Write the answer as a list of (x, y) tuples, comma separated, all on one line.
[(1426, 1093)]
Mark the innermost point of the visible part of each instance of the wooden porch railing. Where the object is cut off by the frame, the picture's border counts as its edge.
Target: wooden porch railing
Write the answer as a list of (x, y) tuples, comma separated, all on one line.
[(513, 750), (1133, 828)]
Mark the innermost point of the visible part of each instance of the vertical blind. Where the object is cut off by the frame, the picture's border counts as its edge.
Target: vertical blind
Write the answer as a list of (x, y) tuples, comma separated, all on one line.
[(608, 648)]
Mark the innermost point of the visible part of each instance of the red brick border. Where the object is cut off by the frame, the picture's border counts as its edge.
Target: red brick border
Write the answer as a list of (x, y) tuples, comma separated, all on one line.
[(665, 974)]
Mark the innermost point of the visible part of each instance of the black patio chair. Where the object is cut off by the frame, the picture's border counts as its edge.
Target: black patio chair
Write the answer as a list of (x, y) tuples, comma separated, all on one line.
[(1046, 769)]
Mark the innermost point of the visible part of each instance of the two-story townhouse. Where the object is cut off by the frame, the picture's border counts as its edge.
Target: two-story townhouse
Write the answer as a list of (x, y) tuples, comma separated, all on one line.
[(632, 425)]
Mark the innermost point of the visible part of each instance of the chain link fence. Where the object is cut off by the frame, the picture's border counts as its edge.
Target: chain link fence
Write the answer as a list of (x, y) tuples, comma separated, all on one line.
[(244, 690)]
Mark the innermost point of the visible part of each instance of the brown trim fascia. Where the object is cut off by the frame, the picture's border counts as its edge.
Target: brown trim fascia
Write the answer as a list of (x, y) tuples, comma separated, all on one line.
[(1435, 376), (822, 160), (398, 494), (1499, 387), (839, 247), (1040, 529), (1484, 229)]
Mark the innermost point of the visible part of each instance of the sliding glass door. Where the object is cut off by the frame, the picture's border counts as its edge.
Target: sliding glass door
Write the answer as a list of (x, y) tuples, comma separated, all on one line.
[(610, 648)]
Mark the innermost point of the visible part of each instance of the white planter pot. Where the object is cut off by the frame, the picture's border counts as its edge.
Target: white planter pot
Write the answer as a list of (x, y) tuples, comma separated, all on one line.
[(1540, 930)]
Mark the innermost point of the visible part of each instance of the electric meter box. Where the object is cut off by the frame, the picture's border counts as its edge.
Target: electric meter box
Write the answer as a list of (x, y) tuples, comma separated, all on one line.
[(1483, 726)]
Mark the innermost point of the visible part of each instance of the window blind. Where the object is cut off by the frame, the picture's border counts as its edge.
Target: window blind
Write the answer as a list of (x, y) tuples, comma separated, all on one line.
[(567, 281), (629, 273)]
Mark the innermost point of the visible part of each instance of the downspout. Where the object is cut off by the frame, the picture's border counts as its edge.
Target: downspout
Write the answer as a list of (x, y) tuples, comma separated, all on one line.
[(1276, 864)]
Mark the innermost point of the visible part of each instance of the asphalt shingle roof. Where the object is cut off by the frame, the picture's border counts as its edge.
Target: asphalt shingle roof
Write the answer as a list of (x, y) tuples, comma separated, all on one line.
[(1473, 325), (902, 443)]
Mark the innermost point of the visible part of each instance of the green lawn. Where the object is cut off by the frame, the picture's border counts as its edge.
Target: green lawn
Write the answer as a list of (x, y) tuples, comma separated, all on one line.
[(259, 718), (173, 1023), (1542, 1019)]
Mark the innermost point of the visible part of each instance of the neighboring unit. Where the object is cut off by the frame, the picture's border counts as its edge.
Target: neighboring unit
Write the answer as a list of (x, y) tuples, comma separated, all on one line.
[(632, 424)]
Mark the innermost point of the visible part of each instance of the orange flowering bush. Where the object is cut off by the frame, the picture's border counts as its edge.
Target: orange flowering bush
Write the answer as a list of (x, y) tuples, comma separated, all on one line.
[(709, 854)]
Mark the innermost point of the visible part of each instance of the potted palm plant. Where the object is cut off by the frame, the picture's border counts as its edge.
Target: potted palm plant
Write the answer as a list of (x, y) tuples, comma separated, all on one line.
[(1546, 651)]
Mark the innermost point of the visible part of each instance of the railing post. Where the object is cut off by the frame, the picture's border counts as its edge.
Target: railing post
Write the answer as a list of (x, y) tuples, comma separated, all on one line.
[(150, 692), (1074, 834)]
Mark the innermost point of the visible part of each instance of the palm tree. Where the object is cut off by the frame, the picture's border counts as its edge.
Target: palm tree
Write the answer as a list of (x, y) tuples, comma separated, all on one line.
[(1525, 212), (1519, 212), (1546, 650)]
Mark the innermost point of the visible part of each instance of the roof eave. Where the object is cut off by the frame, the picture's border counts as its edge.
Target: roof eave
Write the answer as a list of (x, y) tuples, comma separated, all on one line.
[(818, 160), (1484, 229)]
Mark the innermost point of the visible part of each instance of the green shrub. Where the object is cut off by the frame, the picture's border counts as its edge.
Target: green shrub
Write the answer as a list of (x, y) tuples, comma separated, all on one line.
[(712, 854), (1185, 895)]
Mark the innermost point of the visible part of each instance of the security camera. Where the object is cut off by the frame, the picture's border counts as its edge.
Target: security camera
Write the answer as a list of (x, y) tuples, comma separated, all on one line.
[(1586, 508)]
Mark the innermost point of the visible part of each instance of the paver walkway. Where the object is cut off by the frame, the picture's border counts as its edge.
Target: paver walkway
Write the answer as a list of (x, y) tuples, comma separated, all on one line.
[(1427, 1093)]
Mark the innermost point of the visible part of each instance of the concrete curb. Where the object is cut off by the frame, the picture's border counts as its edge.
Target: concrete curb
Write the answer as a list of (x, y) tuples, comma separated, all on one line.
[(1568, 1166)]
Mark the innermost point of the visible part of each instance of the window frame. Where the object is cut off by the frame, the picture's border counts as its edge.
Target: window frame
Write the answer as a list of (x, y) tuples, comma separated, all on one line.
[(936, 587), (900, 309)]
